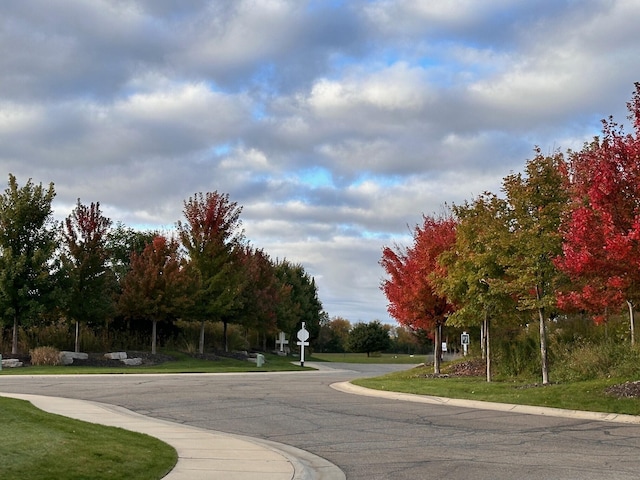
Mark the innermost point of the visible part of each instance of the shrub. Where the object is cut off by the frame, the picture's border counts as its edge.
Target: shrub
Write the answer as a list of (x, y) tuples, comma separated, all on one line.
[(45, 356), (518, 356), (597, 360)]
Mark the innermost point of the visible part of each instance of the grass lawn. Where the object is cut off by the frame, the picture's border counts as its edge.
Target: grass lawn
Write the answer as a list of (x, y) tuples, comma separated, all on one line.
[(182, 363), (362, 358), (584, 395), (37, 445)]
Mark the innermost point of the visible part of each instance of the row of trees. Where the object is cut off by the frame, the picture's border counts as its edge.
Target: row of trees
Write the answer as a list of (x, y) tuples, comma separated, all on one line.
[(564, 237), (338, 335), (89, 272)]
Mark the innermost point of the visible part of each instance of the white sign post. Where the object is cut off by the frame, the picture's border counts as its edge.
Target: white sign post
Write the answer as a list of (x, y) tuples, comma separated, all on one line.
[(464, 340), (281, 341), (303, 336)]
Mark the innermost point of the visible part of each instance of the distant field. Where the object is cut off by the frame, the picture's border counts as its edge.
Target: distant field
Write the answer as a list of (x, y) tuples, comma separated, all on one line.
[(362, 358)]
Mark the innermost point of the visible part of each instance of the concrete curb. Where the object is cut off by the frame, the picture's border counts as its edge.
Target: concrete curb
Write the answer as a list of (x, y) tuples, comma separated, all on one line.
[(347, 387), (202, 454)]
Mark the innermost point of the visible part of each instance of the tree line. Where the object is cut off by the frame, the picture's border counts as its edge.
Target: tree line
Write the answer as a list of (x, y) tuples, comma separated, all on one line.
[(338, 335), (561, 239), (88, 272)]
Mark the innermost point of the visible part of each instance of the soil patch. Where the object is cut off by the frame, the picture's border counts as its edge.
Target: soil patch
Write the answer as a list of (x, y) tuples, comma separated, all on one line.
[(470, 368), (625, 390), (99, 360)]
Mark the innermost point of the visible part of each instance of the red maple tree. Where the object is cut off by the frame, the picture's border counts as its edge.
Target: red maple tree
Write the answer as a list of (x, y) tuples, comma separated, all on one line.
[(410, 289), (601, 250), (157, 288)]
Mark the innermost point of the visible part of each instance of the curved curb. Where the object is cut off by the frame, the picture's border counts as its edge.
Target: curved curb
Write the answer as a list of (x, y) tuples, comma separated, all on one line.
[(201, 452), (347, 387), (307, 466)]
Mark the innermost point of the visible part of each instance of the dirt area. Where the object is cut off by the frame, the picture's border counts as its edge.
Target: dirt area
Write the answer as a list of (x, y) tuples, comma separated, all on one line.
[(625, 390), (149, 359), (98, 359), (470, 368)]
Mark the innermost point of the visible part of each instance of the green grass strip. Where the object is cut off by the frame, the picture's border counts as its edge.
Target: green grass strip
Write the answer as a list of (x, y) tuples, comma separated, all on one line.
[(580, 395), (36, 445)]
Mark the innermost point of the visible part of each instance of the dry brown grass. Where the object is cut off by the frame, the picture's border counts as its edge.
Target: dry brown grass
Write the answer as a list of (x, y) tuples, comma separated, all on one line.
[(45, 356)]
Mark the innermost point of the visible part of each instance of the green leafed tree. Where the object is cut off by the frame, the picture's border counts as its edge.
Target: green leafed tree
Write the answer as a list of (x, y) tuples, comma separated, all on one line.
[(472, 265), (157, 288), (333, 335), (90, 283), (532, 239), (212, 237), (302, 304), (369, 337), (27, 245), (261, 293), (121, 242)]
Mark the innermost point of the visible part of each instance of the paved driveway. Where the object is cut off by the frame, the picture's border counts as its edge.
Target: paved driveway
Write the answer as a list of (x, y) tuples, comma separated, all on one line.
[(369, 438)]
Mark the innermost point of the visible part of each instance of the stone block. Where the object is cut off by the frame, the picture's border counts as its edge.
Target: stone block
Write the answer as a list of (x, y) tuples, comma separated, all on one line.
[(131, 361), (67, 358), (11, 363), (116, 355)]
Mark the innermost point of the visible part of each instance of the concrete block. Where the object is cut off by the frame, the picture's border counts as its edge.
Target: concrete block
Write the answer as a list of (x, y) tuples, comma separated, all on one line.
[(116, 355), (132, 361), (67, 358)]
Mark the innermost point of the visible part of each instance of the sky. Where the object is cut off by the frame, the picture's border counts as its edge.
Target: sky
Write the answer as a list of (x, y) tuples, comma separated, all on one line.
[(334, 124)]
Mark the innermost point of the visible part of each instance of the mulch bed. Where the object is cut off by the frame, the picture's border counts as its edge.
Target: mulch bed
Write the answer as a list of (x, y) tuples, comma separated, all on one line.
[(98, 359), (625, 390), (470, 368)]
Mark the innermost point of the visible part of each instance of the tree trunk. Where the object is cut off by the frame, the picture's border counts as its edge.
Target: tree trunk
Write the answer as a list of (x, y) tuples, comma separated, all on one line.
[(632, 323), (543, 341), (201, 344), (224, 334), (437, 349), (153, 337), (483, 342), (14, 341), (487, 337), (77, 344), (543, 348)]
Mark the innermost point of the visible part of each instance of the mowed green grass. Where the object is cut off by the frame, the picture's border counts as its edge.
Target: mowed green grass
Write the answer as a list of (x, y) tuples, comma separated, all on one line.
[(584, 395), (181, 363), (40, 446), (386, 358)]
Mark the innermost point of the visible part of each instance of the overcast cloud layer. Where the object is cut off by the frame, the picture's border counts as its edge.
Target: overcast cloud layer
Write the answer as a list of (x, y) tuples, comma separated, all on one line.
[(335, 124)]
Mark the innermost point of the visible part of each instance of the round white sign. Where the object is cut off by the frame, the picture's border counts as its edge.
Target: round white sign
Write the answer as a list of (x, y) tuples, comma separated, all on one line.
[(303, 335)]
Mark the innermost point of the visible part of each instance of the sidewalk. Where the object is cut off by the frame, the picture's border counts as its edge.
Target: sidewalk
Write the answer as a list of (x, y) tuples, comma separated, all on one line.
[(205, 454), (202, 454)]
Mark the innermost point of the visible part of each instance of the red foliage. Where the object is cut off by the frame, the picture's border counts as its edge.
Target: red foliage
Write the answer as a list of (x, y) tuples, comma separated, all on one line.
[(601, 251), (212, 221), (413, 301)]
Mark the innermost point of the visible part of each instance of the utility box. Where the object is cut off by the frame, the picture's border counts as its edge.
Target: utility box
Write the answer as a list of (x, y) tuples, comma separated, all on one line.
[(259, 360)]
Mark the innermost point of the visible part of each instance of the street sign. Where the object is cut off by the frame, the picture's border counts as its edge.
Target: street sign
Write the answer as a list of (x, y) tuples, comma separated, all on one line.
[(303, 336), (464, 340)]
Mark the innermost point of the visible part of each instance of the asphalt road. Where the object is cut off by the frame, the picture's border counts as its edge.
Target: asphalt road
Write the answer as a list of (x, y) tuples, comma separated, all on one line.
[(368, 438)]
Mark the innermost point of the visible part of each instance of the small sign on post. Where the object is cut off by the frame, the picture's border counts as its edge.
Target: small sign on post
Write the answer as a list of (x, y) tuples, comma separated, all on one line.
[(281, 341), (464, 340), (303, 336)]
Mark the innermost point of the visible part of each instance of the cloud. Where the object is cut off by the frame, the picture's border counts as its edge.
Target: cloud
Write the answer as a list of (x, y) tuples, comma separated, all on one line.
[(335, 125)]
